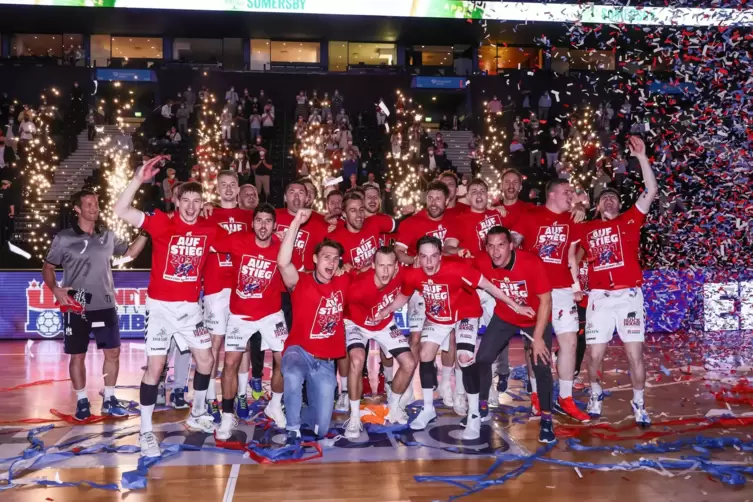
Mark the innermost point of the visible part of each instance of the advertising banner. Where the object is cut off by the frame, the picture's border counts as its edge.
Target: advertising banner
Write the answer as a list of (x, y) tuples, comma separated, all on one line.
[(438, 83)]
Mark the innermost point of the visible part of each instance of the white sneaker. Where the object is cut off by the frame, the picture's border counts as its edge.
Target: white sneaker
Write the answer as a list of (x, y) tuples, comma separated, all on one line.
[(397, 415), (445, 389), (594, 405), (493, 401), (423, 419), (472, 428), (274, 411), (201, 423), (225, 429), (460, 404), (343, 403), (407, 398), (641, 415), (353, 428), (149, 445)]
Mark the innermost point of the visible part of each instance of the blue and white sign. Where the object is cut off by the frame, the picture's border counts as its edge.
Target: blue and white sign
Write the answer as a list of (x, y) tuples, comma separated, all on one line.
[(111, 75)]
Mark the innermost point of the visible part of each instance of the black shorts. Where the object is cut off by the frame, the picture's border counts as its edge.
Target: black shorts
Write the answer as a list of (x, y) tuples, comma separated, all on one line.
[(102, 323)]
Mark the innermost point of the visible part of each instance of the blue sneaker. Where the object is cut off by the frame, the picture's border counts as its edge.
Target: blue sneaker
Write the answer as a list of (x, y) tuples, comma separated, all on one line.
[(502, 383), (213, 408), (256, 390), (294, 438), (546, 432), (641, 415), (178, 399), (82, 410), (241, 407), (113, 408)]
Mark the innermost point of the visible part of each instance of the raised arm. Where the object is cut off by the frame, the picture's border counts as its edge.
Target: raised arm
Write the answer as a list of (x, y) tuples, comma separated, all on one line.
[(123, 206), (403, 256), (285, 256), (393, 307), (137, 246), (638, 150)]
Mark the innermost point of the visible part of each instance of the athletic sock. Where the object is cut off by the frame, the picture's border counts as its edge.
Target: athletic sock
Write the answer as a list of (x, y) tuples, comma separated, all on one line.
[(566, 389), (393, 402), (109, 392), (211, 392), (596, 389), (533, 386), (276, 399), (228, 406), (446, 375), (242, 383), (146, 417), (80, 394), (355, 409), (343, 384), (388, 374), (473, 404), (428, 399), (638, 396), (459, 387)]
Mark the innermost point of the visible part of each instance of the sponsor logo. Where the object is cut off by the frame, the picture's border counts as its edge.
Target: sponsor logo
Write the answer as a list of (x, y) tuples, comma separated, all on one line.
[(631, 320), (281, 331)]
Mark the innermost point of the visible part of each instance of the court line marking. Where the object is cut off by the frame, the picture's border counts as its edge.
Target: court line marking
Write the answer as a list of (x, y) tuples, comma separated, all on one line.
[(231, 480)]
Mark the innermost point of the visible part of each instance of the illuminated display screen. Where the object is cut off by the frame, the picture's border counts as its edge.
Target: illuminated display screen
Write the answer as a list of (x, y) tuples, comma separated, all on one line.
[(448, 9)]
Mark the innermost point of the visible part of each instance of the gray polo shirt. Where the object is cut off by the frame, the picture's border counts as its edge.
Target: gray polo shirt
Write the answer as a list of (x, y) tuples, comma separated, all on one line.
[(86, 262)]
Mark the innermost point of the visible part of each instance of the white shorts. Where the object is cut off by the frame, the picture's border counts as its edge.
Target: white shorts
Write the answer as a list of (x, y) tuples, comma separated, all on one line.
[(272, 328), (564, 311), (621, 310), (390, 338), (217, 311), (488, 302), (179, 321), (466, 332), (416, 312)]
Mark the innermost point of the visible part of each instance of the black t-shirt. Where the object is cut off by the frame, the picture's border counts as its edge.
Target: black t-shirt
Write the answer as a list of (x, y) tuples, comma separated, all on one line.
[(263, 170)]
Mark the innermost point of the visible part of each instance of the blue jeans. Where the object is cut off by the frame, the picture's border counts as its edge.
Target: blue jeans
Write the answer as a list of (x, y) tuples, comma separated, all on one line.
[(299, 366), (255, 131)]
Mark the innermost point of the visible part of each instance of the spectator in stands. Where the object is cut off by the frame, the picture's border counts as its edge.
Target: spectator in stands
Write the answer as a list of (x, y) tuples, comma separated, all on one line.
[(445, 124), (26, 112), (344, 137), (27, 129), (518, 128), (174, 136), (440, 149), (91, 126), (168, 185), (551, 146), (545, 103), (526, 101), (190, 99), (326, 106), (226, 123), (620, 171), (301, 105), (337, 102), (241, 125), (262, 172), (342, 120), (350, 165), (7, 158), (167, 112), (534, 146), (254, 122), (431, 163), (268, 121), (242, 165), (495, 105), (231, 97), (354, 149), (415, 133), (314, 102), (381, 117), (601, 182), (182, 115), (8, 203), (256, 150), (11, 136), (315, 118), (396, 144)]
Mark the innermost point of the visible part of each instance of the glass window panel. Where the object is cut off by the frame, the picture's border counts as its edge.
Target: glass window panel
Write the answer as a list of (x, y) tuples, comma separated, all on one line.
[(295, 52), (203, 50), (36, 45), (100, 49), (592, 60), (338, 56), (260, 58), (137, 47), (372, 54), (517, 57), (487, 59), (560, 60), (435, 55), (232, 55)]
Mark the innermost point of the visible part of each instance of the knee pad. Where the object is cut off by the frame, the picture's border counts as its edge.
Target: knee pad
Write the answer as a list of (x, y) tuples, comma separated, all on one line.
[(465, 358), (428, 374)]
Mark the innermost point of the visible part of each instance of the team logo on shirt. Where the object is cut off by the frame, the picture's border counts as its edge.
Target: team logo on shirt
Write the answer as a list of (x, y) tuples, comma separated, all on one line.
[(363, 254), (483, 227), (605, 248), (300, 240), (550, 243), (517, 290), (440, 233), (386, 300), (184, 257), (254, 275), (437, 300), (231, 226), (328, 315)]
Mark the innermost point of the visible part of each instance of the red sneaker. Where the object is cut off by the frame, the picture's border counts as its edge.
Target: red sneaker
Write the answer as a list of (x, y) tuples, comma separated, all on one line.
[(366, 385), (568, 407), (535, 408), (380, 385)]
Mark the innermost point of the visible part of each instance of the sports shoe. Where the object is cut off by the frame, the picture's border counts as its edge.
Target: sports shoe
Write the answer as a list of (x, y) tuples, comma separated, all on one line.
[(201, 423), (493, 396), (423, 419), (472, 428), (112, 407), (213, 409), (641, 415), (294, 438), (397, 415), (149, 445), (502, 383), (353, 428), (535, 406), (225, 430), (483, 410), (274, 411), (82, 410), (161, 398), (366, 386), (178, 399), (546, 432), (568, 407), (594, 405), (343, 403), (241, 407), (380, 384), (445, 389), (578, 383), (256, 390), (460, 404)]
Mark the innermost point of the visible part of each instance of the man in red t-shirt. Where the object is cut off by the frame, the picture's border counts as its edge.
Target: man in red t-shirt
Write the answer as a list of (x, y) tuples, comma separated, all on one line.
[(255, 306), (180, 245), (218, 274), (317, 337), (522, 277), (548, 232), (454, 207), (310, 233), (429, 222), (370, 291), (615, 302), (446, 285)]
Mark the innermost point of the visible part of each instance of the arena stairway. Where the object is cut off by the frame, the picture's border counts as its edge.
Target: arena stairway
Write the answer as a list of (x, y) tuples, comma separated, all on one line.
[(457, 148)]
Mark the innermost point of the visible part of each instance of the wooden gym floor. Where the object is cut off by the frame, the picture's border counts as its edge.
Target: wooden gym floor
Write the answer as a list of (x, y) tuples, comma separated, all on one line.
[(683, 375)]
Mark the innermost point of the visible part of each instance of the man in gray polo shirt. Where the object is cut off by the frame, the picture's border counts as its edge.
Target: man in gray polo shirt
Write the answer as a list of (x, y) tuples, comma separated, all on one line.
[(84, 252)]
